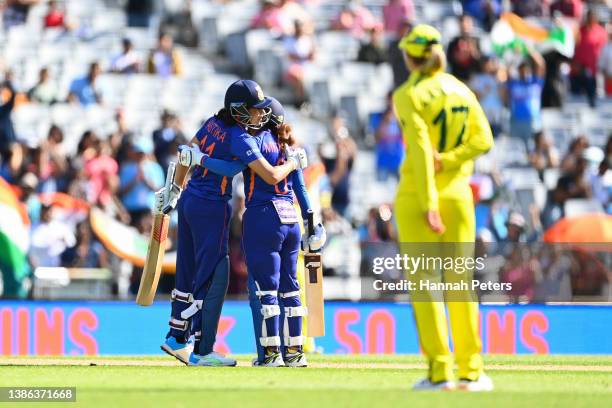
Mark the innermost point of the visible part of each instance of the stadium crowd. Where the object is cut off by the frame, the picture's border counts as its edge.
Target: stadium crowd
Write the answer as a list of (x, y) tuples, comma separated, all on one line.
[(546, 163)]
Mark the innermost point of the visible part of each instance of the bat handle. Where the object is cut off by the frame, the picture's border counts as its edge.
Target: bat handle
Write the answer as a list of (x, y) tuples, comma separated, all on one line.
[(310, 223)]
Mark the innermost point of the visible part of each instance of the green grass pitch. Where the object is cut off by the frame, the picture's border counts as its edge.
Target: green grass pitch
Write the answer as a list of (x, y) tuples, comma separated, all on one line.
[(330, 381)]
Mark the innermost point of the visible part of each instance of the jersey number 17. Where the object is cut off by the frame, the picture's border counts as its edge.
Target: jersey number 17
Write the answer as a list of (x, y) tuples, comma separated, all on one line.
[(441, 118)]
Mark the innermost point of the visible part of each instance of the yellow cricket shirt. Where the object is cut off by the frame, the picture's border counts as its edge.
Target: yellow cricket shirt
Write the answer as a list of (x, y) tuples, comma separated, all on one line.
[(439, 112)]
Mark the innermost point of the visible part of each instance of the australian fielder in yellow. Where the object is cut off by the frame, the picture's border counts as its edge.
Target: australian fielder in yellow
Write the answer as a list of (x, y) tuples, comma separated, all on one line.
[(444, 129)]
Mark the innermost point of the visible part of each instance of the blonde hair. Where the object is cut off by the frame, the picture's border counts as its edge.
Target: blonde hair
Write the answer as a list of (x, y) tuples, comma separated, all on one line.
[(435, 61)]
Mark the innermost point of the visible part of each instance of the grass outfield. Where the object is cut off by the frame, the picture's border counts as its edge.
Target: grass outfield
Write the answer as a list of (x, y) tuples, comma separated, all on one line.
[(338, 381)]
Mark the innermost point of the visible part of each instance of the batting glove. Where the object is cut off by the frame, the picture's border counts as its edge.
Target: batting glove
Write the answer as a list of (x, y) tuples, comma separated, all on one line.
[(173, 196), (316, 241), (191, 155), (298, 156), (160, 200)]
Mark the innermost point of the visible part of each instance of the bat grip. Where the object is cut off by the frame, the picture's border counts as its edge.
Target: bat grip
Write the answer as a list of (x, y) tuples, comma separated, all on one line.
[(310, 223)]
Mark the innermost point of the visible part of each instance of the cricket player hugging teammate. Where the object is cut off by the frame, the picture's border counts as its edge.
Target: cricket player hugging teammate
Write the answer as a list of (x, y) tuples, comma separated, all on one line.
[(248, 134)]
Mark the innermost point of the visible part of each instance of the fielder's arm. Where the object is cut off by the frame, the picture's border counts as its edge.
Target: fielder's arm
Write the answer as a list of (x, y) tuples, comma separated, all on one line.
[(478, 140), (416, 136)]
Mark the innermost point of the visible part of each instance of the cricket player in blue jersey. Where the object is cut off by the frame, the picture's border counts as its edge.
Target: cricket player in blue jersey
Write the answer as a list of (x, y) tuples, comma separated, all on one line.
[(271, 242), (202, 270)]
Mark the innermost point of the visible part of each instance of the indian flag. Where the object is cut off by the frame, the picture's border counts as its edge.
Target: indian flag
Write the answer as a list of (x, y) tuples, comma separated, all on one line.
[(14, 240), (511, 32), (125, 241)]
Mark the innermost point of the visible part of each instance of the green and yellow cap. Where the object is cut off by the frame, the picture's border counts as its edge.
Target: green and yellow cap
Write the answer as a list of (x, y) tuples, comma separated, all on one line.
[(419, 42)]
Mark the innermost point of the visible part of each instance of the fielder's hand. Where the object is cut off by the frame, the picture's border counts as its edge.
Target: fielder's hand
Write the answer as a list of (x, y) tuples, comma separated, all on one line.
[(191, 155), (315, 242), (437, 161), (298, 156), (434, 221), (172, 198)]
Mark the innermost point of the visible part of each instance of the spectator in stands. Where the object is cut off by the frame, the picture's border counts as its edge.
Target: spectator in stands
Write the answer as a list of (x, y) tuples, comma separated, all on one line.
[(605, 62), (515, 227), (139, 12), (49, 239), (54, 159), (591, 41), (378, 238), (464, 50), (139, 178), (555, 88), (553, 277), (574, 184), (55, 18), (395, 12), (12, 164), (544, 154), (602, 185), (45, 90), (165, 60), (375, 50), (279, 17), (270, 18), (528, 8), (127, 61), (167, 139), (86, 148), (484, 11), (87, 251), (486, 86), (339, 248), (16, 12), (355, 19), (567, 8), (389, 142), (576, 147), (300, 49), (121, 139), (179, 23), (523, 94), (338, 156), (7, 132), (519, 270), (102, 172), (83, 90), (400, 71), (29, 184), (379, 226)]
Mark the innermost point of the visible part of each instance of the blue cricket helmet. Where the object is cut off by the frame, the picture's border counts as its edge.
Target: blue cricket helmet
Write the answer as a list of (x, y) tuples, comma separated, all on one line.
[(243, 95), (277, 112)]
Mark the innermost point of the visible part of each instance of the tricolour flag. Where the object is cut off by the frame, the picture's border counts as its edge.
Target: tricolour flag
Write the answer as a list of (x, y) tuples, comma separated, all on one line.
[(511, 32), (14, 240)]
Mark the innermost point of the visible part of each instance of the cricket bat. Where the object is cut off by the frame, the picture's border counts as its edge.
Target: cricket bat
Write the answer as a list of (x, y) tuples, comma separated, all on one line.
[(314, 288), (156, 250)]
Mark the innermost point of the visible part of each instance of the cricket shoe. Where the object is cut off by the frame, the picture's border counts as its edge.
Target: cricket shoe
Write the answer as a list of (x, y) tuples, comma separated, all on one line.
[(180, 351), (427, 385), (272, 360), (483, 383), (297, 359), (213, 359)]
